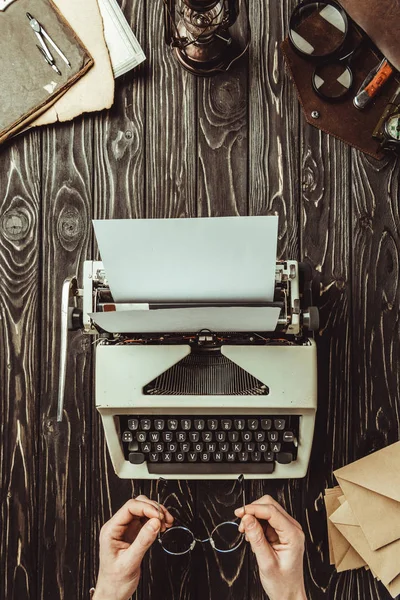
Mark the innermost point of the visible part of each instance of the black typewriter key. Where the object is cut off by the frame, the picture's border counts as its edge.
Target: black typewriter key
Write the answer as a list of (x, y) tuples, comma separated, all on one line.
[(207, 436), (133, 424), (243, 456), (141, 436), (259, 436), (154, 436), (172, 424), (167, 457), (136, 458), (167, 436), (269, 456), (276, 447), (153, 456), (220, 436), (145, 447), (218, 456), (159, 447), (226, 424), (186, 424), (145, 424), (159, 424), (172, 447), (181, 436), (266, 424), (194, 436), (205, 457), (179, 457), (211, 446), (127, 436), (279, 424), (288, 436), (247, 436), (185, 447), (133, 446), (284, 458), (237, 447), (199, 424), (233, 436), (230, 456), (223, 447), (250, 446), (212, 424), (256, 456), (198, 447), (239, 424), (262, 447), (252, 424), (192, 456), (273, 436)]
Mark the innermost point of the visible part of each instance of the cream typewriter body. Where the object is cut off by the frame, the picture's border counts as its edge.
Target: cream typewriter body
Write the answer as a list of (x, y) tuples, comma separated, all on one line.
[(202, 403)]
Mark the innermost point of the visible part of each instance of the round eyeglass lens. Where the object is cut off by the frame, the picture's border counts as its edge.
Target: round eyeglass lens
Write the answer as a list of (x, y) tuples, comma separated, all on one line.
[(332, 80), (317, 29), (226, 537), (177, 540)]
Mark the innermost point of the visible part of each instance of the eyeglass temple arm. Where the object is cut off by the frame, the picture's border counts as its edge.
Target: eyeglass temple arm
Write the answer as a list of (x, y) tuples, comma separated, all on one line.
[(241, 481), (160, 481)]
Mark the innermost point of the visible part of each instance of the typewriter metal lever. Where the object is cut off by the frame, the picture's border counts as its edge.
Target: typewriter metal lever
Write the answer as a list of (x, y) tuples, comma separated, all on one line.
[(71, 320)]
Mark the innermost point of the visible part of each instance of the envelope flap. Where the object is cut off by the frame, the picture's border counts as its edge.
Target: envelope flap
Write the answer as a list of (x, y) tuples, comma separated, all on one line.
[(344, 516), (378, 472)]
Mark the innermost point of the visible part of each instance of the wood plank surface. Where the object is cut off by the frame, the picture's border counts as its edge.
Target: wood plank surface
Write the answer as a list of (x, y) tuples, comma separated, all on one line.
[(20, 318), (172, 146), (65, 459)]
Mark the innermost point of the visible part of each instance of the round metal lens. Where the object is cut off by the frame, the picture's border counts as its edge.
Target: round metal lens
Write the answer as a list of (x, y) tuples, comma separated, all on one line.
[(226, 537), (318, 29), (333, 80), (177, 540)]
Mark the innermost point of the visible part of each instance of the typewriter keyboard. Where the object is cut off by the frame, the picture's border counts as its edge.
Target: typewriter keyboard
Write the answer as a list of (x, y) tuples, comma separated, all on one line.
[(210, 444)]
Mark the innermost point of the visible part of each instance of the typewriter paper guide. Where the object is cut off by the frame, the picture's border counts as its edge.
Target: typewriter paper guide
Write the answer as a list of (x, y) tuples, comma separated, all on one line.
[(227, 259)]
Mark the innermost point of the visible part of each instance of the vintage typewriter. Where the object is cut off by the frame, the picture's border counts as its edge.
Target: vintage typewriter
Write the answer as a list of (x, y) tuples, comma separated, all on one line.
[(183, 393)]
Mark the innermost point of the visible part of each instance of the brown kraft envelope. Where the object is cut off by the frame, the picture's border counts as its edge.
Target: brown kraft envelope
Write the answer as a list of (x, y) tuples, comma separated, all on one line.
[(29, 85), (342, 119), (372, 488)]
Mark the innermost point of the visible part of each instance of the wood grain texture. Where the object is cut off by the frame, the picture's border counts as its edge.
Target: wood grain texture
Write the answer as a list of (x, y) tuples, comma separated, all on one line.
[(325, 245), (65, 455), (19, 359), (174, 146)]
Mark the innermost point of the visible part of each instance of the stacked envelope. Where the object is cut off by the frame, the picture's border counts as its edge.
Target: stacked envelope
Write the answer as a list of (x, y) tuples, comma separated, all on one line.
[(364, 517)]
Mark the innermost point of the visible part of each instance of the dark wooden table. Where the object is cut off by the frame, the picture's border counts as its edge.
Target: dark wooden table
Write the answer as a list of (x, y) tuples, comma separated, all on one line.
[(177, 146)]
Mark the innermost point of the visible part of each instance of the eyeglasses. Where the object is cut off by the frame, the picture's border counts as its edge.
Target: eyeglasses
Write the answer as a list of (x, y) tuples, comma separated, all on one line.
[(180, 540), (321, 32)]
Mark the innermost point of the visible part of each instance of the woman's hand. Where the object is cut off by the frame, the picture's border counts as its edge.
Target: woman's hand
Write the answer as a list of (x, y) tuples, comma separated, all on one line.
[(124, 540), (277, 540)]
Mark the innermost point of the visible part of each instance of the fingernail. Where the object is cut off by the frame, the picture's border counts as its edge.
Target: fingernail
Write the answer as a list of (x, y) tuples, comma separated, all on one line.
[(154, 524), (239, 511)]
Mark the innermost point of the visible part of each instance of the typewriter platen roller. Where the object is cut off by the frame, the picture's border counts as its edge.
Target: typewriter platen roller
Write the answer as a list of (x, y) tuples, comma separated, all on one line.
[(202, 403)]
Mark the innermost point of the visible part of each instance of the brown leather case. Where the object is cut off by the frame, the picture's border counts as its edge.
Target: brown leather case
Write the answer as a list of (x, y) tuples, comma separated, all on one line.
[(380, 20), (342, 119), (28, 84)]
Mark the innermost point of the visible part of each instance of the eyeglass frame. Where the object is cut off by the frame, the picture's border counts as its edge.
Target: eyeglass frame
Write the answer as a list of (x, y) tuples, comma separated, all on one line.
[(195, 540)]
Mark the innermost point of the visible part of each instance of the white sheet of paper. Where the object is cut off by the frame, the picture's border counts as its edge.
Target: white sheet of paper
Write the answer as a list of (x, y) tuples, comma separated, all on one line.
[(189, 320), (226, 259)]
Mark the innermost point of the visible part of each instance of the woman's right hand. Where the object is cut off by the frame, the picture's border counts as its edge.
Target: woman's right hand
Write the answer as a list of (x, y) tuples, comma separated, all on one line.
[(277, 540)]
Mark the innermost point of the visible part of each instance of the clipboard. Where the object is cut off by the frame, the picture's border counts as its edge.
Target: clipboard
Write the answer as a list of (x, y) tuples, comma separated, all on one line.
[(29, 84)]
